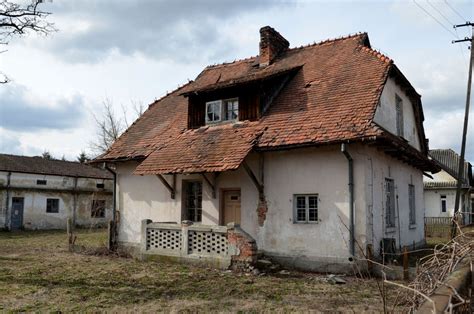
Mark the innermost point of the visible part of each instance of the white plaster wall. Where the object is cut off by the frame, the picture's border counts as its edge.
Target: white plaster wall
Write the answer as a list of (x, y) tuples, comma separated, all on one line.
[(35, 215), (381, 166), (433, 202), (385, 115)]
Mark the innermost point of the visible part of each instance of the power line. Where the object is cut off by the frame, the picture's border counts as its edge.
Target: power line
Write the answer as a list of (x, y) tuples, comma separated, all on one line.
[(440, 13), (437, 21), (455, 11)]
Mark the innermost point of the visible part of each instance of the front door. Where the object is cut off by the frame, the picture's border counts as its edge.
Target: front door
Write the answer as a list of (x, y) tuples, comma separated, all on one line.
[(17, 212), (231, 208)]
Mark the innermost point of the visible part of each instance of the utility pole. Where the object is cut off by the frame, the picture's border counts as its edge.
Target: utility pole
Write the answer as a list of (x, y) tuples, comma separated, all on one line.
[(466, 119)]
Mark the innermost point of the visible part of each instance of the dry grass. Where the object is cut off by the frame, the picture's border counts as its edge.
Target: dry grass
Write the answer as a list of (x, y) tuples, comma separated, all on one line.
[(37, 273)]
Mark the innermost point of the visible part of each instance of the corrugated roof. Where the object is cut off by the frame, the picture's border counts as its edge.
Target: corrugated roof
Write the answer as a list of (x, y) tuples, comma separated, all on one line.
[(39, 165), (448, 160)]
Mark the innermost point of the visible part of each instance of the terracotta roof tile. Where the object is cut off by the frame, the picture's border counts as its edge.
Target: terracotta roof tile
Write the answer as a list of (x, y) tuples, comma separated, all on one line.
[(331, 98)]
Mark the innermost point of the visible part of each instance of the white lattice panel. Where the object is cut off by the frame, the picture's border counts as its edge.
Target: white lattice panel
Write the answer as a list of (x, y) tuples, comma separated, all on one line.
[(163, 239), (207, 243)]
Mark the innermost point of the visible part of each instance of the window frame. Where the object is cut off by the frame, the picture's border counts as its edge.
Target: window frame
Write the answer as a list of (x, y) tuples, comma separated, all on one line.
[(95, 209), (390, 206), (412, 205), (307, 208), (219, 103), (399, 116), (444, 200), (225, 110), (49, 206), (185, 209)]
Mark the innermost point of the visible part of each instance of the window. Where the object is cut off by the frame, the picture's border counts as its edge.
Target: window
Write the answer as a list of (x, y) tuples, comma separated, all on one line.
[(399, 113), (222, 110), (443, 203), (305, 208), (98, 209), (213, 111), (41, 182), (231, 109), (193, 200), (389, 203), (411, 203), (100, 185), (52, 205)]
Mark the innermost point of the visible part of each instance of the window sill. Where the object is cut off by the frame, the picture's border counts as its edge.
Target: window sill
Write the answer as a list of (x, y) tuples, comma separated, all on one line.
[(390, 230), (305, 222), (412, 226)]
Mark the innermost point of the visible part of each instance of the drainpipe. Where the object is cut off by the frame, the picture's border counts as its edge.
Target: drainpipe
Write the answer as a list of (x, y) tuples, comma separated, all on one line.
[(114, 200), (7, 201), (351, 198)]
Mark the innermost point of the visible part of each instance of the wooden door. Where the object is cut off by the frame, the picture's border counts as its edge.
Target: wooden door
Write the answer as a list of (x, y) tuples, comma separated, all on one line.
[(231, 206)]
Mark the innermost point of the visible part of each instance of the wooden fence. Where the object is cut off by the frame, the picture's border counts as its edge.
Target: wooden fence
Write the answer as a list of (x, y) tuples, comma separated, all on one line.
[(438, 226)]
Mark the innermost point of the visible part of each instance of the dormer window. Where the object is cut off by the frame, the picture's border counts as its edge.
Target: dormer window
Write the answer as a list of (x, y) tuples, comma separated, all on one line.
[(222, 110)]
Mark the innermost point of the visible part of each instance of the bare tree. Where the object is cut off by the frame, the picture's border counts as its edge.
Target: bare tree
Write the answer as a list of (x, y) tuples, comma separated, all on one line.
[(20, 19), (111, 125)]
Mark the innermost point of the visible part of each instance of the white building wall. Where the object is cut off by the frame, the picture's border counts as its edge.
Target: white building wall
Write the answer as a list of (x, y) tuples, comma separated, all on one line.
[(34, 213), (378, 167), (385, 115)]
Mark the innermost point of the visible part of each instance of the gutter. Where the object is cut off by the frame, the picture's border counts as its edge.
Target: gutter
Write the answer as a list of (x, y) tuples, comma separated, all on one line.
[(114, 206), (351, 198)]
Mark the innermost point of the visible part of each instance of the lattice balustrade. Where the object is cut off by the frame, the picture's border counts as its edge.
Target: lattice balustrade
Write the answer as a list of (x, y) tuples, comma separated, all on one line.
[(163, 239), (207, 243)]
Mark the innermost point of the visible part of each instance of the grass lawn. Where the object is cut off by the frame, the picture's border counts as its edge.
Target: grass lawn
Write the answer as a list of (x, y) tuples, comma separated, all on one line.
[(37, 273)]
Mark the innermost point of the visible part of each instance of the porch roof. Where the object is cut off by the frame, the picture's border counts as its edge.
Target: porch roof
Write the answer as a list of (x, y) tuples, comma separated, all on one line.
[(209, 149)]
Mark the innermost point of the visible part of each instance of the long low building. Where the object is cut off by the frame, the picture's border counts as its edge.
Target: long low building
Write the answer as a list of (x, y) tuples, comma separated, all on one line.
[(38, 193)]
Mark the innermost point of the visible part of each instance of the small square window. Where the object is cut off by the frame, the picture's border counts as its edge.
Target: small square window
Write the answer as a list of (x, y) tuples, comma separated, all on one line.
[(52, 205), (98, 209), (100, 185), (41, 182), (305, 208)]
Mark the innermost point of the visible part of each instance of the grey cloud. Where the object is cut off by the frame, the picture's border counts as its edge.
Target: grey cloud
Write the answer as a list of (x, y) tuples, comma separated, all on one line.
[(17, 113), (188, 30)]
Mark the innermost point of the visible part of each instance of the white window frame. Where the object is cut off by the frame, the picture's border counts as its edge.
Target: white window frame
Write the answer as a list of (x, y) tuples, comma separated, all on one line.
[(295, 209), (219, 103), (224, 108), (412, 205), (444, 200), (399, 115)]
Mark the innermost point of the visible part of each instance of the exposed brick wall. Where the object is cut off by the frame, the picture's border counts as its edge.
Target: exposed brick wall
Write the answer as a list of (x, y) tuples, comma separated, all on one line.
[(262, 209), (271, 45), (243, 246)]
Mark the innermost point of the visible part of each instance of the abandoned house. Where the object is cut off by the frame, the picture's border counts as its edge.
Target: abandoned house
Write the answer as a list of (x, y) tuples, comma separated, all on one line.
[(440, 189), (307, 154), (38, 193)]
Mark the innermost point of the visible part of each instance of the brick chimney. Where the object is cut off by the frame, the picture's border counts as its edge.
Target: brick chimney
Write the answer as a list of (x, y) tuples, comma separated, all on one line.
[(271, 45)]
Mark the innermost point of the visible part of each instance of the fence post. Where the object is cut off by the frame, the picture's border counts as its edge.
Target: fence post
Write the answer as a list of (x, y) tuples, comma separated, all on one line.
[(111, 235), (405, 263), (185, 236), (71, 238)]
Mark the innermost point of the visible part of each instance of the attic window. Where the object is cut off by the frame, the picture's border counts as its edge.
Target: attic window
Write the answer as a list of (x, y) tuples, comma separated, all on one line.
[(222, 110)]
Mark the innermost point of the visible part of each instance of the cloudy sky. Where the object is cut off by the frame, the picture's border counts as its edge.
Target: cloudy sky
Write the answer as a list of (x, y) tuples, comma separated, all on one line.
[(133, 51)]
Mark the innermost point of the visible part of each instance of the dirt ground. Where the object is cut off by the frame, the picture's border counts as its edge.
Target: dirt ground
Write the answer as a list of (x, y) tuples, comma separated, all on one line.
[(37, 273)]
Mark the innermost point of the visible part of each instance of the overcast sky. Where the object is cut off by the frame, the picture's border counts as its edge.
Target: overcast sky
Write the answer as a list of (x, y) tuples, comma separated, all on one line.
[(135, 51)]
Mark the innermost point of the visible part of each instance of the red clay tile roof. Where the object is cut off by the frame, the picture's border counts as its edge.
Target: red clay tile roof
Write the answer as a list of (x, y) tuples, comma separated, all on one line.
[(39, 165), (208, 149), (331, 99)]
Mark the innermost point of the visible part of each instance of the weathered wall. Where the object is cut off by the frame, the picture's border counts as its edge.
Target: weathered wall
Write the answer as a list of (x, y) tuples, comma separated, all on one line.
[(433, 202), (378, 167), (35, 215), (385, 115)]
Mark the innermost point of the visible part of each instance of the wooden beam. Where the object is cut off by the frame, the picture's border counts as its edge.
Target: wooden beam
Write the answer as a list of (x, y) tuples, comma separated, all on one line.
[(171, 188), (253, 178), (211, 184)]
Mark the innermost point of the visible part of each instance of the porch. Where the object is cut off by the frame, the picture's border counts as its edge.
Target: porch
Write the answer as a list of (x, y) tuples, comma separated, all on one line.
[(216, 246)]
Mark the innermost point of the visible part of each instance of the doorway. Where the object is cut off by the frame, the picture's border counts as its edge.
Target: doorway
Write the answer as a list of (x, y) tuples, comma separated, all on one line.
[(17, 213), (231, 206)]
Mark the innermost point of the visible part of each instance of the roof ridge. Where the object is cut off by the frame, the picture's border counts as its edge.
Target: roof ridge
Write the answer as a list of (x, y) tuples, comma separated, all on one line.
[(39, 157), (376, 53), (320, 43)]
